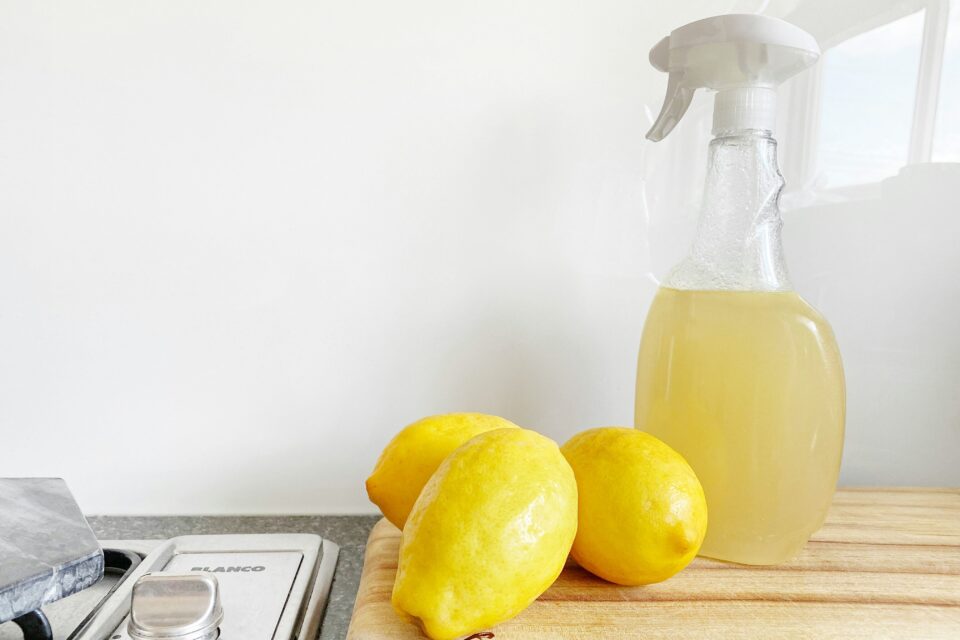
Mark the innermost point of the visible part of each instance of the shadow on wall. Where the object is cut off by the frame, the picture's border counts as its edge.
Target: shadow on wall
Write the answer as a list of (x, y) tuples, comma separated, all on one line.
[(894, 309)]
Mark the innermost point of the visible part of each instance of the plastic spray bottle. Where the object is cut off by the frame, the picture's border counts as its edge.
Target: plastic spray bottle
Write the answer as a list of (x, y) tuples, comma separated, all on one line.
[(736, 371)]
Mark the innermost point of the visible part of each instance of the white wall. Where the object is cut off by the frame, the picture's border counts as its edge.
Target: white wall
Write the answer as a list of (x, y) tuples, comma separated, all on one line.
[(243, 243)]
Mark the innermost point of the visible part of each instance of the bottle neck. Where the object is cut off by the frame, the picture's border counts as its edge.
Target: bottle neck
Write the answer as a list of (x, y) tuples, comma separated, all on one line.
[(738, 245)]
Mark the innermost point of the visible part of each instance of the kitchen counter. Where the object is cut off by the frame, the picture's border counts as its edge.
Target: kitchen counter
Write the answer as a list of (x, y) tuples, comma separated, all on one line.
[(350, 532)]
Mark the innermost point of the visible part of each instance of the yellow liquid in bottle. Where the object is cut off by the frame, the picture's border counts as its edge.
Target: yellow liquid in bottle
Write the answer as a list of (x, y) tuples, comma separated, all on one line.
[(748, 387)]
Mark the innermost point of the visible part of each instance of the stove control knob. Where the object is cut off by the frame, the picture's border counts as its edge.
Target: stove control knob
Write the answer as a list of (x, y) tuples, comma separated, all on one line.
[(182, 606)]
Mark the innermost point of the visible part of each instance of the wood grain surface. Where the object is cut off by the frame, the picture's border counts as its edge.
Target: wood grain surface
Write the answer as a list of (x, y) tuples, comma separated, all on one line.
[(886, 564)]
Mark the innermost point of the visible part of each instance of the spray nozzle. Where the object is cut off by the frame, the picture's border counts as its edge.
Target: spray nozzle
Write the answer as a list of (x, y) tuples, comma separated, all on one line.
[(743, 56)]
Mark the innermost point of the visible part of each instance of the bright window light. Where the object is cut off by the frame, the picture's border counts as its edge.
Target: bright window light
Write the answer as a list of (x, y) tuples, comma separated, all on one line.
[(869, 88), (946, 137)]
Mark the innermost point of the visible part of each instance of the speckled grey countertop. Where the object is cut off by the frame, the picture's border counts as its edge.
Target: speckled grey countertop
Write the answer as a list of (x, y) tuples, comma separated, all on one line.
[(350, 532)]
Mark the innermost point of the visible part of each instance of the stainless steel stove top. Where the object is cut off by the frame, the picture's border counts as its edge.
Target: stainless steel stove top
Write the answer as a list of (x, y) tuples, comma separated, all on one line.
[(270, 586)]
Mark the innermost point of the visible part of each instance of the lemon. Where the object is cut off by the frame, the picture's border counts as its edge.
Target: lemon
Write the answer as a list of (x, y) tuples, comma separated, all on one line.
[(414, 454), (643, 515), (489, 533)]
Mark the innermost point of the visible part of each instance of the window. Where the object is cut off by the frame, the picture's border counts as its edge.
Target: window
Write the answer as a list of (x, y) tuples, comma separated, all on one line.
[(946, 137), (868, 96)]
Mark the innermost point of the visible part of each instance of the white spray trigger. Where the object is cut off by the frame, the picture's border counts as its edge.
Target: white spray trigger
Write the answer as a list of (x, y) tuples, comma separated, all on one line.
[(743, 56)]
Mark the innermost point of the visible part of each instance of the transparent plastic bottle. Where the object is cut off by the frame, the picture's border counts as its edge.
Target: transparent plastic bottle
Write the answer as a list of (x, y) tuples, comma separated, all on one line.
[(739, 374)]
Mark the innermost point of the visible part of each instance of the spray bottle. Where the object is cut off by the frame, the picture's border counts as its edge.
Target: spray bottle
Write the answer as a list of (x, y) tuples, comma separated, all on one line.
[(736, 371)]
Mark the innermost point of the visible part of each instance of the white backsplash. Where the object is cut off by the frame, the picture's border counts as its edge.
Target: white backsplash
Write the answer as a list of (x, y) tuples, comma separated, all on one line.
[(241, 244)]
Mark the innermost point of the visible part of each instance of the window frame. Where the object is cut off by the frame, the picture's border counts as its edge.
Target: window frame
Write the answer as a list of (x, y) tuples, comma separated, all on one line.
[(805, 98)]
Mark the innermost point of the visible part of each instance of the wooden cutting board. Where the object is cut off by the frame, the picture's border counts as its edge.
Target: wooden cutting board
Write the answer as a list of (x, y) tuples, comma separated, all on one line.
[(885, 565)]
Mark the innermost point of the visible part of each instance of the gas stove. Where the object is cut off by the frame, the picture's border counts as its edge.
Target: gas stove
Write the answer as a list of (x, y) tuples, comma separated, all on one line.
[(239, 587)]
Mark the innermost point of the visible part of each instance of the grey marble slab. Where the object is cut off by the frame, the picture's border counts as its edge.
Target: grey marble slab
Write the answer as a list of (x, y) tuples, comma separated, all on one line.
[(47, 550), (350, 532)]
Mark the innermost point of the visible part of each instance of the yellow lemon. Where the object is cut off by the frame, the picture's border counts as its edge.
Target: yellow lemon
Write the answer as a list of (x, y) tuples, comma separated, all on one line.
[(642, 510), (415, 453), (489, 533)]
